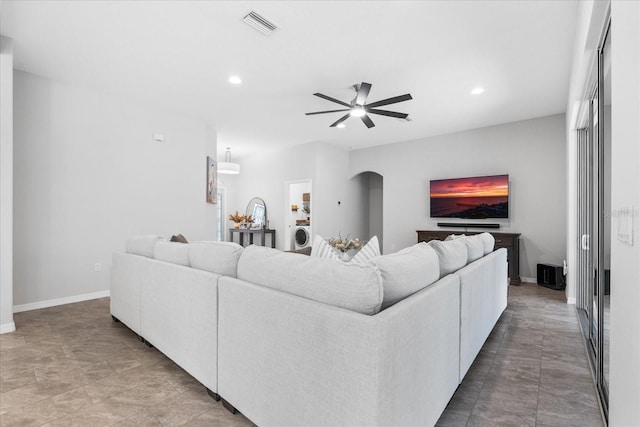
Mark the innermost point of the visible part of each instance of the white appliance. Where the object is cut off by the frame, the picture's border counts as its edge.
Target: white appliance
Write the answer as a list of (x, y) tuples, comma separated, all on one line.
[(301, 236)]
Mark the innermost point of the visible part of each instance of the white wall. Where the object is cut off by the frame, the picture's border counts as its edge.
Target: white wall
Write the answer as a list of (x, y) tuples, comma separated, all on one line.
[(532, 152), (87, 175), (265, 174), (6, 185), (624, 409)]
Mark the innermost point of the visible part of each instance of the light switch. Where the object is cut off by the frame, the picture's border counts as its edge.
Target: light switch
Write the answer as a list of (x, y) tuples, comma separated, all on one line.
[(625, 224), (158, 137)]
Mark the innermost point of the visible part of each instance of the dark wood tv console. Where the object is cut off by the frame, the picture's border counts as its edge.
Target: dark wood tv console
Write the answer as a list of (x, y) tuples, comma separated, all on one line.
[(503, 240)]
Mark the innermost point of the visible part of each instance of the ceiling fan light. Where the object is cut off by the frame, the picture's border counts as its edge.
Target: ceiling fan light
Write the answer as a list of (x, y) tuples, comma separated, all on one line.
[(357, 111)]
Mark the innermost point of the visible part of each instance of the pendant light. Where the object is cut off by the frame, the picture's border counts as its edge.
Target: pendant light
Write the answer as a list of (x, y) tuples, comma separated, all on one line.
[(228, 167)]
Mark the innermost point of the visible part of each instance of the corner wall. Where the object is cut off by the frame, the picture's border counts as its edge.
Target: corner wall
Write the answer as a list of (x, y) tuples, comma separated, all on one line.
[(87, 175), (532, 152), (6, 186), (624, 395)]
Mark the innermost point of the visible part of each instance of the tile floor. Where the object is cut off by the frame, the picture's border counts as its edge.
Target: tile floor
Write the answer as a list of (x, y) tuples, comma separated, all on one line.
[(73, 366)]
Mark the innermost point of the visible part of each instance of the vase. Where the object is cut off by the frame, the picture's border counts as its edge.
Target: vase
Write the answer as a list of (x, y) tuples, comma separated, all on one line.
[(345, 257), (236, 224)]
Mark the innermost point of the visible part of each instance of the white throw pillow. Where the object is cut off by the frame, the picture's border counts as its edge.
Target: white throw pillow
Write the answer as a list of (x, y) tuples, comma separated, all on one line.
[(142, 245), (475, 247), (321, 249), (452, 255), (173, 252), (407, 271), (454, 236), (368, 252), (351, 286), (216, 257), (489, 242)]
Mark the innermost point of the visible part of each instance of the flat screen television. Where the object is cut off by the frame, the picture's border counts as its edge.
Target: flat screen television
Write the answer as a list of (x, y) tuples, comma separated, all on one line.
[(476, 197)]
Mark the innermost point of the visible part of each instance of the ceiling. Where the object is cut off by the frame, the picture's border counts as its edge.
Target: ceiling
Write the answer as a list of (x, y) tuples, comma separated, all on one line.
[(179, 55)]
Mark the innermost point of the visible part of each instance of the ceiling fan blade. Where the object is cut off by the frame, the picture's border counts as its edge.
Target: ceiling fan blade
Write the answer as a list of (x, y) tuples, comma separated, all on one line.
[(324, 112), (328, 98), (367, 121), (363, 92), (340, 120), (388, 101), (387, 113)]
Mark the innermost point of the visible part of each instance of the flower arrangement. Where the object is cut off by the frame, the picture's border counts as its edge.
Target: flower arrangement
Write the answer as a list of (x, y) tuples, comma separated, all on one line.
[(344, 244), (239, 219)]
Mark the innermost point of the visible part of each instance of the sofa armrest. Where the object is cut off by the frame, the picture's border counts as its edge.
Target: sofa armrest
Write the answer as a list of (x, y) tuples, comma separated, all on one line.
[(128, 271), (286, 360)]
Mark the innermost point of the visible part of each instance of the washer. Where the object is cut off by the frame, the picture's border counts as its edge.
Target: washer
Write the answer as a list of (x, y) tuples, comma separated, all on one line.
[(302, 236)]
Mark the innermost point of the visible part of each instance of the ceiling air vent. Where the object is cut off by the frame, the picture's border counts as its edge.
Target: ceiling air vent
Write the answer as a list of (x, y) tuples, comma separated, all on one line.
[(260, 23)]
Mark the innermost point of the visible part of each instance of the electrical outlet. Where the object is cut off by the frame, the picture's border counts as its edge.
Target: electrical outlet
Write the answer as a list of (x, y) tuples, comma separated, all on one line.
[(97, 266)]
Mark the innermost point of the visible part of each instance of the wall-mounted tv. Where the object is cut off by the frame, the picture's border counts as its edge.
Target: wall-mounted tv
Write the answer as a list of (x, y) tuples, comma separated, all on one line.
[(476, 197)]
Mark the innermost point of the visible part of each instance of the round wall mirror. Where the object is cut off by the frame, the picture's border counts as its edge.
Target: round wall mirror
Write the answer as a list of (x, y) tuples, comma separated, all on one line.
[(257, 208)]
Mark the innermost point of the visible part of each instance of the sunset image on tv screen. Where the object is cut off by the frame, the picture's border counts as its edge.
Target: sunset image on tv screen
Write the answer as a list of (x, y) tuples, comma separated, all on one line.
[(476, 197)]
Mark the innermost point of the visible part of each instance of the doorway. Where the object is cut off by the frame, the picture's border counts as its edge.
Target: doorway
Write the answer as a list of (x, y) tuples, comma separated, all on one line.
[(297, 214)]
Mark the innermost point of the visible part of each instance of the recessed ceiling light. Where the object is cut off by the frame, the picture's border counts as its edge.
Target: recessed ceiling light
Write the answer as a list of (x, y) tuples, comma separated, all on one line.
[(341, 126), (477, 91), (235, 80)]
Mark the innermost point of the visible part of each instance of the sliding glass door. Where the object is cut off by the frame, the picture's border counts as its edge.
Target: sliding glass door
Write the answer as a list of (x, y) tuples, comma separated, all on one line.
[(594, 218)]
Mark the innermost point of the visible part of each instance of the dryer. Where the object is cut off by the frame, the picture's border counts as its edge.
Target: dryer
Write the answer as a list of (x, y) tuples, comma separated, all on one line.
[(302, 236)]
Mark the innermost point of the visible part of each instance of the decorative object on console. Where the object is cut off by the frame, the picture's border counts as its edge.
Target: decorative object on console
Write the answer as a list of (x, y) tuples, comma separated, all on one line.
[(228, 167), (257, 210), (477, 197), (237, 219), (358, 108), (212, 188)]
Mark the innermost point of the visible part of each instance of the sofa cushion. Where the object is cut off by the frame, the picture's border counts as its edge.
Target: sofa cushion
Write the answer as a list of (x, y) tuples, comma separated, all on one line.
[(216, 257), (320, 248), (475, 247), (407, 271), (368, 252), (142, 245), (489, 242), (452, 255), (351, 286), (176, 253)]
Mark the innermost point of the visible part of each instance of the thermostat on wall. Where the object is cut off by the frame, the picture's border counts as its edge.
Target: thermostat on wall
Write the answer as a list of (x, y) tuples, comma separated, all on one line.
[(158, 137)]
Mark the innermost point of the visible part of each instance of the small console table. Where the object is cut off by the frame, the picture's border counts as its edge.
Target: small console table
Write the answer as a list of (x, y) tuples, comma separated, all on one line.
[(503, 240), (262, 232)]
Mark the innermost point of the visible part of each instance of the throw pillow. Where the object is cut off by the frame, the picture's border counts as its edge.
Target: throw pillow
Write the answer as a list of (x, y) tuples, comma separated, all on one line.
[(142, 245), (452, 255), (173, 252), (489, 242), (454, 236), (407, 271), (475, 248), (178, 238), (321, 249), (353, 287), (368, 252)]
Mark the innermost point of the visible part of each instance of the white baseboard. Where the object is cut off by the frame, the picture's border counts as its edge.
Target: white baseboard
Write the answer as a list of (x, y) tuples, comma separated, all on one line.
[(529, 279), (60, 301), (5, 328)]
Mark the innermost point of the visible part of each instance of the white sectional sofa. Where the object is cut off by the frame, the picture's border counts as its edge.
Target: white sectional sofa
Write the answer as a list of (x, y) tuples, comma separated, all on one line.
[(171, 301), (293, 340)]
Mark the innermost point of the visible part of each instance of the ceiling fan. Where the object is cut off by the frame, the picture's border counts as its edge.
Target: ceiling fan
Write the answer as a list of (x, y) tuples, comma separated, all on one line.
[(359, 108)]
